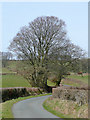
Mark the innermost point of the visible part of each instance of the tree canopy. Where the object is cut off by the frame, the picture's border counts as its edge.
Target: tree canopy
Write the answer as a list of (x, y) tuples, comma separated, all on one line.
[(44, 42)]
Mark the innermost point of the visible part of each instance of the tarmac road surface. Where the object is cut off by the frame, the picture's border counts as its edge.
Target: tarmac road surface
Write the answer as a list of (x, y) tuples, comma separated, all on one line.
[(32, 108)]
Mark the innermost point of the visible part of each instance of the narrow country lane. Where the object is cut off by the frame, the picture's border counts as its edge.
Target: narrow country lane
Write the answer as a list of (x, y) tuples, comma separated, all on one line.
[(31, 108)]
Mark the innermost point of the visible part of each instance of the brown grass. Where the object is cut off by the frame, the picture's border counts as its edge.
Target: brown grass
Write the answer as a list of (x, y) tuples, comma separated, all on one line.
[(69, 108), (74, 82)]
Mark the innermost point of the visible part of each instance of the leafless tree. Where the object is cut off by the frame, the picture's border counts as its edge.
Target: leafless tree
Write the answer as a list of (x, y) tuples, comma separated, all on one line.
[(36, 42), (5, 57), (66, 58)]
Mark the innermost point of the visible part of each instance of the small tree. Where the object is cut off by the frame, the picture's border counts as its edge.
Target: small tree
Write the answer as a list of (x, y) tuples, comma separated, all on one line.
[(84, 65), (66, 58), (5, 57)]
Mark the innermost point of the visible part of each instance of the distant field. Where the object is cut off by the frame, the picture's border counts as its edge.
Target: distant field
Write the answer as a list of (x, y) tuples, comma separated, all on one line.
[(19, 81), (78, 77), (76, 80), (5, 70), (14, 81), (11, 80)]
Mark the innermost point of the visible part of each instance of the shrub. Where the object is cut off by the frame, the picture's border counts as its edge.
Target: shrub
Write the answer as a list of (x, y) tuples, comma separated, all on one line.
[(13, 93), (79, 95)]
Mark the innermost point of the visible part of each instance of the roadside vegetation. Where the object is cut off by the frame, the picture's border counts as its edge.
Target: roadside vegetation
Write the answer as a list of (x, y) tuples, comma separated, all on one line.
[(65, 108), (7, 106), (60, 108)]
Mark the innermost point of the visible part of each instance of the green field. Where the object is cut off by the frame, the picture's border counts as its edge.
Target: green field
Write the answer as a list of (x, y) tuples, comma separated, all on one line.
[(76, 80), (78, 77), (11, 80), (18, 81), (14, 81), (5, 70)]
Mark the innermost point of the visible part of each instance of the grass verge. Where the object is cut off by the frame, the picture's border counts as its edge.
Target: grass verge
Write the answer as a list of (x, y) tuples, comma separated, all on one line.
[(7, 106), (65, 108)]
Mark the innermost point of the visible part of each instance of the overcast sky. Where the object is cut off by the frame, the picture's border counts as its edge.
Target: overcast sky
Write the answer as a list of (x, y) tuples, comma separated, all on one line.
[(75, 14)]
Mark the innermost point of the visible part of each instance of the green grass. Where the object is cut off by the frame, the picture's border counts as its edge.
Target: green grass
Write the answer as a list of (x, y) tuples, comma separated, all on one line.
[(76, 80), (72, 84), (14, 81), (5, 70), (50, 83), (49, 109), (7, 106), (78, 77), (17, 81)]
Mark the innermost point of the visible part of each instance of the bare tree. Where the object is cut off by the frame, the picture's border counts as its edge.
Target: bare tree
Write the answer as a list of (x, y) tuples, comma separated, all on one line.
[(35, 44), (66, 58), (5, 57)]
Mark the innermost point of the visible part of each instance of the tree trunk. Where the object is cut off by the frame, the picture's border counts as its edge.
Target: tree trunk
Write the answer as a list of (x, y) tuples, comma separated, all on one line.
[(59, 81), (47, 88)]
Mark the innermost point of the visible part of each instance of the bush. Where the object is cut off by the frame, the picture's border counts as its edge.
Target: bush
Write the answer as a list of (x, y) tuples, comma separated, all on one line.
[(13, 93)]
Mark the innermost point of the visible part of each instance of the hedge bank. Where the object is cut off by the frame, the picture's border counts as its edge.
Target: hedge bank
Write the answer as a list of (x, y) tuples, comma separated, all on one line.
[(79, 95), (13, 93)]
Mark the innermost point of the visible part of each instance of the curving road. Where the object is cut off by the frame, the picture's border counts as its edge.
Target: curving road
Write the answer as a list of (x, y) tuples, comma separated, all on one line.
[(31, 108)]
